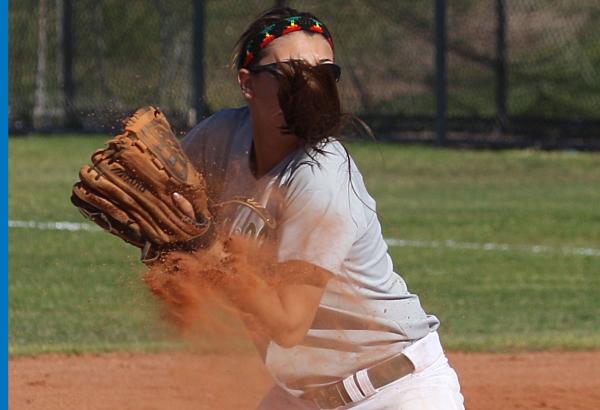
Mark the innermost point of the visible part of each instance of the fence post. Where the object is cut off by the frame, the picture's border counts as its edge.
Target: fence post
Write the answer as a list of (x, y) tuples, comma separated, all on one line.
[(41, 114), (198, 64), (501, 74), (67, 55), (441, 82)]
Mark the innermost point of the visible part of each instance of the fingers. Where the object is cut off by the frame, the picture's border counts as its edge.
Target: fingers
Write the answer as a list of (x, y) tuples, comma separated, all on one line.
[(184, 205)]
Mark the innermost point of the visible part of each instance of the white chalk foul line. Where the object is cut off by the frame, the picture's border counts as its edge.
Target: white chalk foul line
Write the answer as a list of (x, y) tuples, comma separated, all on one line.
[(392, 242), (502, 247), (54, 226)]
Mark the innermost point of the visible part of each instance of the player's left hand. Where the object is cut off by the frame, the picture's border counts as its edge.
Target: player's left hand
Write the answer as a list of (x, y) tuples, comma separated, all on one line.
[(128, 188)]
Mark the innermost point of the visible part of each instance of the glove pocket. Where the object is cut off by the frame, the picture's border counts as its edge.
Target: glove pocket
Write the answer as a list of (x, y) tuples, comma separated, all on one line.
[(113, 192)]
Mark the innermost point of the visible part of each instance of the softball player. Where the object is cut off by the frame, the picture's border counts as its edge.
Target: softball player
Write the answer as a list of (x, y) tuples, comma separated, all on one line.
[(360, 339)]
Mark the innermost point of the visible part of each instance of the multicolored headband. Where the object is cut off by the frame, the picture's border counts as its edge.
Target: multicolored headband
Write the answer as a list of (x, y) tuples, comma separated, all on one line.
[(281, 28)]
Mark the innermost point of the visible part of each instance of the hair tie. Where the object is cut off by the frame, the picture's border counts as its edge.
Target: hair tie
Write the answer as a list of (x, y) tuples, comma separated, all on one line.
[(279, 29)]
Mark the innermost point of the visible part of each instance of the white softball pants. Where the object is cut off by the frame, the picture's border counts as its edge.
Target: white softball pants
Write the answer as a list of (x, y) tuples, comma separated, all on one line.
[(434, 387)]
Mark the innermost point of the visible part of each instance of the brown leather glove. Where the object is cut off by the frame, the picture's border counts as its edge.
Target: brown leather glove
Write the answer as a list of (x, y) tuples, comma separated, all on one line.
[(128, 188)]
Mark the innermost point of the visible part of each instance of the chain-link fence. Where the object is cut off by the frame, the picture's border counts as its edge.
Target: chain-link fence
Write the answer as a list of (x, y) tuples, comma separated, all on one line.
[(82, 64), (548, 84)]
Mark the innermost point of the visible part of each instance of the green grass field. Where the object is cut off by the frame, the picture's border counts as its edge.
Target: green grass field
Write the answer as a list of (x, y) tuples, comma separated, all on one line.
[(80, 291)]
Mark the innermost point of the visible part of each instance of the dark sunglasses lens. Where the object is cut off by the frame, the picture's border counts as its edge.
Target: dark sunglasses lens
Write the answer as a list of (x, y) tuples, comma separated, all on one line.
[(337, 71), (274, 68), (334, 69)]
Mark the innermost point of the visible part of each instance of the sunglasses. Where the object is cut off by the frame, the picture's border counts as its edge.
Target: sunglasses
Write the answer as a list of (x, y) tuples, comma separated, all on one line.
[(273, 68)]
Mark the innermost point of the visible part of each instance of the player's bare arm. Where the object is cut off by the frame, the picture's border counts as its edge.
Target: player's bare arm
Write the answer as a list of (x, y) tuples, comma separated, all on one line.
[(283, 310)]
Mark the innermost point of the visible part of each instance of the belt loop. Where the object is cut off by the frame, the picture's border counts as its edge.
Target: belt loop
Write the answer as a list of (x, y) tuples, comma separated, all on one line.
[(364, 383), (352, 389)]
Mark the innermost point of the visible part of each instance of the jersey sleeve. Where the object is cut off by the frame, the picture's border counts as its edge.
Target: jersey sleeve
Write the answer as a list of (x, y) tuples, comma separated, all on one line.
[(317, 225)]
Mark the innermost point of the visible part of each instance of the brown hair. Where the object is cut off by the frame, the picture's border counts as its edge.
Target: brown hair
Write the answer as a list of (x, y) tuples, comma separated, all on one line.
[(310, 103)]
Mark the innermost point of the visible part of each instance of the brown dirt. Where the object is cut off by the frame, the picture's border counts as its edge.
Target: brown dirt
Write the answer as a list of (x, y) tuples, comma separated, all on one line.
[(181, 381)]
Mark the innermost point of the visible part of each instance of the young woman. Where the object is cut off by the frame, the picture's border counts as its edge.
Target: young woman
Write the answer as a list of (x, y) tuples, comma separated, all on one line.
[(345, 332)]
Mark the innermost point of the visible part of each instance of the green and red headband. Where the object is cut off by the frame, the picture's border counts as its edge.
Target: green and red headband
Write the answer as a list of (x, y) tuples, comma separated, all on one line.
[(279, 29)]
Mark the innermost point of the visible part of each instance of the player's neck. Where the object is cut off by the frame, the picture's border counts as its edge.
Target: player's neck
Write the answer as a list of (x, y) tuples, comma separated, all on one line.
[(271, 147)]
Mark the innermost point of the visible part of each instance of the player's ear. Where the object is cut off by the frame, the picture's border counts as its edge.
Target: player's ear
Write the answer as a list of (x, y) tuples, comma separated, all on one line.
[(245, 82)]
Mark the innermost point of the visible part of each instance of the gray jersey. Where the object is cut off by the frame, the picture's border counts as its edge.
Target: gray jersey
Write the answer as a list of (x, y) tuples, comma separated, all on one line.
[(326, 217)]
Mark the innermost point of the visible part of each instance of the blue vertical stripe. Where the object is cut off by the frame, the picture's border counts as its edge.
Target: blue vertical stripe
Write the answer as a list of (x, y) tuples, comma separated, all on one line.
[(4, 229)]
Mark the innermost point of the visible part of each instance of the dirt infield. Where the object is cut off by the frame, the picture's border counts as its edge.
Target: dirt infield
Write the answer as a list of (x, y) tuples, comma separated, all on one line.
[(182, 381)]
